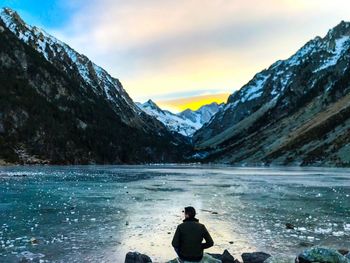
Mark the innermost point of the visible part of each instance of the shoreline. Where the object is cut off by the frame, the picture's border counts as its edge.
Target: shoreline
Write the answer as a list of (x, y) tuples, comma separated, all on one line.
[(311, 255)]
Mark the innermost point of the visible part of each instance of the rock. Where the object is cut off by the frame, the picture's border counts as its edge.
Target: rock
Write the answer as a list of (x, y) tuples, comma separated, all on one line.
[(321, 255), (217, 256), (290, 226), (206, 259), (280, 260), (34, 241), (135, 257), (256, 257), (343, 251), (225, 257)]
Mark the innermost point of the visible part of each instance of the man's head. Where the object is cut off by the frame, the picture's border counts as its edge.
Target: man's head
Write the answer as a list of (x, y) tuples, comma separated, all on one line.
[(190, 212)]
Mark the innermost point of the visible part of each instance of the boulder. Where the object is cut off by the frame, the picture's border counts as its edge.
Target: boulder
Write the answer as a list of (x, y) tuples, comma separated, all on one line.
[(343, 251), (256, 257), (135, 257), (290, 226), (321, 255), (280, 259), (225, 257)]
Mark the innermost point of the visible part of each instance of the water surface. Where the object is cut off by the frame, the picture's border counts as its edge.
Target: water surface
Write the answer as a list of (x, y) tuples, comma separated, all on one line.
[(98, 213)]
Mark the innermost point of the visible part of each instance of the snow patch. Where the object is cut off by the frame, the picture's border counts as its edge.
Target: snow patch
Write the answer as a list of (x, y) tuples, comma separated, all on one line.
[(299, 57), (254, 89), (341, 45)]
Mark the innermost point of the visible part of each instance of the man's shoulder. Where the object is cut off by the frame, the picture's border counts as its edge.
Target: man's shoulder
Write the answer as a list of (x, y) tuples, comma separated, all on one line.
[(190, 222)]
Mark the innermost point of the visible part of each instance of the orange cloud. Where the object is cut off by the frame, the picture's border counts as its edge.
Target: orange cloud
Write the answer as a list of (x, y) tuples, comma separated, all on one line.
[(193, 103)]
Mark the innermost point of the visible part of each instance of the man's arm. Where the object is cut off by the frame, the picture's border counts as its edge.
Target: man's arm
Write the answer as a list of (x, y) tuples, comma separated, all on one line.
[(176, 239), (208, 240)]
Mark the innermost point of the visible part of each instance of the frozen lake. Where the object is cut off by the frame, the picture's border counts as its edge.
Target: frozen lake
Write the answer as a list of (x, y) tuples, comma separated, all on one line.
[(98, 213)]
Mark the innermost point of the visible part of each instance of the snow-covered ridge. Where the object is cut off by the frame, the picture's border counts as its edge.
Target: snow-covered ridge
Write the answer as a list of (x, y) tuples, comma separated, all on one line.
[(341, 45), (322, 53), (297, 76), (186, 122), (59, 53)]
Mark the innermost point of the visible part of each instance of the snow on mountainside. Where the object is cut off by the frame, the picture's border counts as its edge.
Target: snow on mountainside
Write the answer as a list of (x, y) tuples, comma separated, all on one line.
[(56, 106), (272, 84), (70, 61), (296, 111), (186, 122)]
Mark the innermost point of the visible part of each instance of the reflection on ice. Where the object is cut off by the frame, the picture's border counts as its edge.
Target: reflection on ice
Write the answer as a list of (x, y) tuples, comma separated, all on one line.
[(98, 213)]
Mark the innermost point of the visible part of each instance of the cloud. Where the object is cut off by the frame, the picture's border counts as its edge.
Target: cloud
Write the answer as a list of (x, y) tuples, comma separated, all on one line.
[(158, 47)]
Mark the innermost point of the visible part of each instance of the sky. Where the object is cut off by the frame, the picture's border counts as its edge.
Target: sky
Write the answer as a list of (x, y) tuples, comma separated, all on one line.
[(184, 50)]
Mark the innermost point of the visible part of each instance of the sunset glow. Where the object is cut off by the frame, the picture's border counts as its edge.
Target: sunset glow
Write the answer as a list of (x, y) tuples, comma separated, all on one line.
[(159, 48), (193, 103)]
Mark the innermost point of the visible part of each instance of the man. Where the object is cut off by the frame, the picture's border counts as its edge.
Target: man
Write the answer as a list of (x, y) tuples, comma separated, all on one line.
[(188, 238)]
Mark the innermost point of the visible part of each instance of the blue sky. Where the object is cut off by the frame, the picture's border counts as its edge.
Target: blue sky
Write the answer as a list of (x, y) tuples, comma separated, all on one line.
[(47, 13), (161, 49)]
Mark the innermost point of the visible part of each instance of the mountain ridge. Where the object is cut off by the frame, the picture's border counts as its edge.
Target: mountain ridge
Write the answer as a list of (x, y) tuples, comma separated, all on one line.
[(186, 122), (313, 79), (57, 106), (53, 111)]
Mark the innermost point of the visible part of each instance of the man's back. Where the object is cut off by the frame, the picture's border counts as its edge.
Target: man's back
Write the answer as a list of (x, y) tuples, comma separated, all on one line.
[(188, 240)]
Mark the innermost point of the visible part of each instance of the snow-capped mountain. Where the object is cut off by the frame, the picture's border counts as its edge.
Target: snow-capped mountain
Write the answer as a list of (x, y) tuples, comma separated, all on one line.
[(70, 61), (269, 117), (186, 122), (57, 106)]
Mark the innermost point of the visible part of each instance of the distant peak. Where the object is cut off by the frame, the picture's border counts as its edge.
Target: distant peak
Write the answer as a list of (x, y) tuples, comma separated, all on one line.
[(13, 14), (151, 103), (8, 10), (340, 30), (12, 19)]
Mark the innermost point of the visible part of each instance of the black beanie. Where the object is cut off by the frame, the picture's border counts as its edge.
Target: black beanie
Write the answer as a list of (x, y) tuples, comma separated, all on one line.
[(190, 211)]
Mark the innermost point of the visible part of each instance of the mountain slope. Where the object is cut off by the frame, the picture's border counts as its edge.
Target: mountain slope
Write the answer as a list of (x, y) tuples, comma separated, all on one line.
[(185, 123), (294, 112), (57, 106)]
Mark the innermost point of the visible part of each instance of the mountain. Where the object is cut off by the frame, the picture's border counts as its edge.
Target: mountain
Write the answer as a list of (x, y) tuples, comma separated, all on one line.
[(185, 123), (203, 114), (296, 112), (56, 106)]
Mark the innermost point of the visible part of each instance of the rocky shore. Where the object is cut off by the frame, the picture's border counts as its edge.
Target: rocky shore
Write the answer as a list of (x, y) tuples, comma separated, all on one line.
[(312, 255)]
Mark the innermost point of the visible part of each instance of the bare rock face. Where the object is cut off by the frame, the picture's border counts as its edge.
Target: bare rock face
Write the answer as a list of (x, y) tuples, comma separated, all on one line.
[(294, 112)]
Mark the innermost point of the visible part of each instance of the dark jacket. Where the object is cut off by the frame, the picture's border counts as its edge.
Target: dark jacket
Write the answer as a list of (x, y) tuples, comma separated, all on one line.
[(188, 239)]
